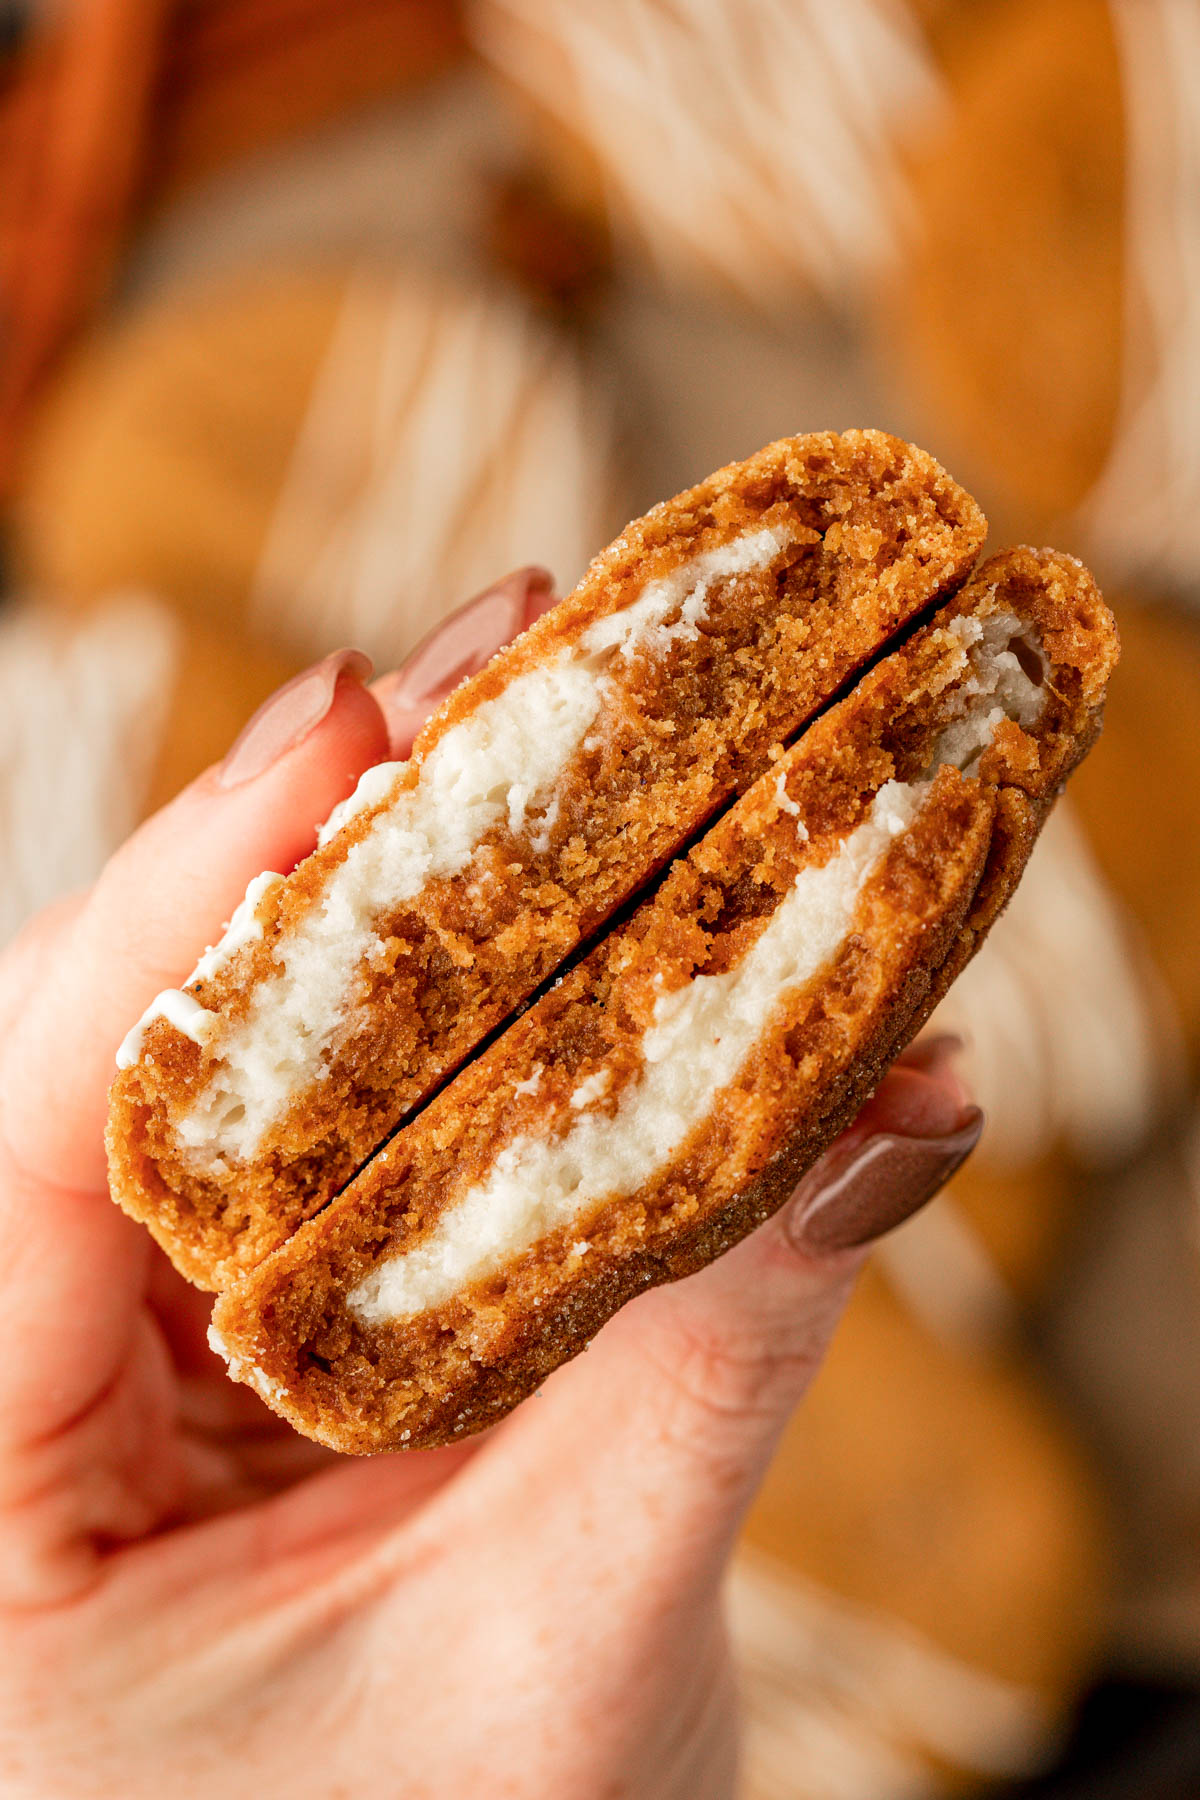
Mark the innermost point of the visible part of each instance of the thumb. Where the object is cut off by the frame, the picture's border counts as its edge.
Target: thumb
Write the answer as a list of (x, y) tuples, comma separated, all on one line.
[(72, 1268), (458, 646), (164, 895), (672, 1417)]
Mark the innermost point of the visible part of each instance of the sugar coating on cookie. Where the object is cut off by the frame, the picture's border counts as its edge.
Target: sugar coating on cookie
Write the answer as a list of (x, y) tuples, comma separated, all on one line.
[(546, 790), (501, 765), (666, 1095)]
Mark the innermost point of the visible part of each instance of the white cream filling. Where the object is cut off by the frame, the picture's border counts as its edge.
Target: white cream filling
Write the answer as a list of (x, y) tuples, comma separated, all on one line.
[(240, 1369), (701, 1035), (499, 765), (996, 675), (183, 1010), (490, 769), (643, 626), (374, 785)]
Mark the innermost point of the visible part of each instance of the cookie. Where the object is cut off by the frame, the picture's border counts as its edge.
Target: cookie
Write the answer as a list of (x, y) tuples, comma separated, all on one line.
[(666, 1094), (923, 1583), (542, 794), (1004, 321)]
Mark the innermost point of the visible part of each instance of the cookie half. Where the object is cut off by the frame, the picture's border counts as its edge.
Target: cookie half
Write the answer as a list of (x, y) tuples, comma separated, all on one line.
[(665, 1096), (543, 794)]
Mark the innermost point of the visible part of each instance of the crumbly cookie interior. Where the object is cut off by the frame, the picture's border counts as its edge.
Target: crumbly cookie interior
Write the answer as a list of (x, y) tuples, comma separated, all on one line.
[(702, 1031), (545, 793), (700, 1055)]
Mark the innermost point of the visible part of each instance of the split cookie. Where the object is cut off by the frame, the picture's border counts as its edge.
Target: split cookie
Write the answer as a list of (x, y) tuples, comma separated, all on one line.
[(666, 1094), (542, 795)]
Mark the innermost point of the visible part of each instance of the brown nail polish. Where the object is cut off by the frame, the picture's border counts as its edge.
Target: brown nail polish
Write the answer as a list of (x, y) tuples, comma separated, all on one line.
[(858, 1193), (285, 720), (404, 719), (464, 641), (540, 594)]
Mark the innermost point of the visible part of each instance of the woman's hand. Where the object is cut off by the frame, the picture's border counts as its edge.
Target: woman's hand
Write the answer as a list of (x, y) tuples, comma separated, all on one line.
[(194, 1601)]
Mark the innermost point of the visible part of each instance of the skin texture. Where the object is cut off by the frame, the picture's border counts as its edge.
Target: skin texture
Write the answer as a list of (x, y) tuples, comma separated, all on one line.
[(194, 1599)]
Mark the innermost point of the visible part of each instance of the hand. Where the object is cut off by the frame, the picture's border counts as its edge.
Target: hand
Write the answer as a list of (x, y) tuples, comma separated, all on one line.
[(195, 1601)]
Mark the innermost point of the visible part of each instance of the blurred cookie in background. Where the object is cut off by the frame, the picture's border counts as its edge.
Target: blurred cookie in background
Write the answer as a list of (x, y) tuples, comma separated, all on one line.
[(1123, 1341), (1141, 520), (1048, 307), (1139, 800), (1070, 1043), (1072, 1046), (1124, 1345), (1017, 197), (923, 1580), (739, 145), (107, 110), (320, 457), (103, 717), (986, 1258)]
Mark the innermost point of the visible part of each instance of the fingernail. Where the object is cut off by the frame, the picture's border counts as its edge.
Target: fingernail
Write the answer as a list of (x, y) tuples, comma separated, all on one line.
[(540, 594), (288, 717), (459, 647), (865, 1188), (470, 637), (935, 1050)]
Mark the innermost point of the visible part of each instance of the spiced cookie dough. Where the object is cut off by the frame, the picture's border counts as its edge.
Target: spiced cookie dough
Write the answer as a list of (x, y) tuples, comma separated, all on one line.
[(665, 1096), (541, 796)]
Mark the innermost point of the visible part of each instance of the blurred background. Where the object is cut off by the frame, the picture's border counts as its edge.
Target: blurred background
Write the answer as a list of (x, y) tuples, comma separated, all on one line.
[(318, 315)]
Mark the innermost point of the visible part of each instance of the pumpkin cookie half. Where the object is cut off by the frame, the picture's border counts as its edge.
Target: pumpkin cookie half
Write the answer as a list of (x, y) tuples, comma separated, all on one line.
[(542, 795), (665, 1096)]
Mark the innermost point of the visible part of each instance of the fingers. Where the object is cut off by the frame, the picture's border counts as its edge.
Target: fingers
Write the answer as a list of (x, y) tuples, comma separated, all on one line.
[(74, 1337), (669, 1420), (166, 895), (74, 1344), (458, 647), (26, 956), (168, 891), (908, 1140)]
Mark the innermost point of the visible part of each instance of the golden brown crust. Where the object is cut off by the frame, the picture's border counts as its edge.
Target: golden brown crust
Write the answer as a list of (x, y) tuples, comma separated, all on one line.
[(879, 533), (919, 920)]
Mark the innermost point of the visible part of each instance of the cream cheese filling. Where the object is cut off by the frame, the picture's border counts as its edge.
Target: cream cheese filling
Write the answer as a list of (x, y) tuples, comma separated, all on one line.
[(498, 766), (701, 1036), (997, 687), (183, 1010), (702, 1033)]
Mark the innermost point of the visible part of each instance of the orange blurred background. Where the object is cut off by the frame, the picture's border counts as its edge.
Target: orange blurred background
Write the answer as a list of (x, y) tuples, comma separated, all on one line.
[(318, 315)]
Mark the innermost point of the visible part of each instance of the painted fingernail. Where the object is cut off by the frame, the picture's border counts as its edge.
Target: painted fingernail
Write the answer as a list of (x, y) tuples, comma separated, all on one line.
[(458, 647), (462, 643), (540, 594), (287, 718), (935, 1050), (867, 1187)]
